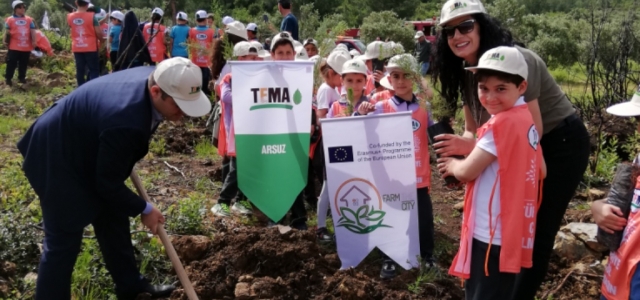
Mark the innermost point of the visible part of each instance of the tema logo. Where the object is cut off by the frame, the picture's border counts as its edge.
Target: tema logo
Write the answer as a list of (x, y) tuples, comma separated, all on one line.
[(496, 56), (274, 97), (458, 5), (78, 21), (201, 36), (356, 201), (21, 22)]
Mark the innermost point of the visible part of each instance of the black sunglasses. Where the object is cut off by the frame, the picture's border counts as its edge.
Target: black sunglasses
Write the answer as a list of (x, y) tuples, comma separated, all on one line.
[(464, 28)]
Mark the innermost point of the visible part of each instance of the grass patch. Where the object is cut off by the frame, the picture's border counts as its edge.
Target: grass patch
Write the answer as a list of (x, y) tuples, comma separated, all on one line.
[(204, 149), (12, 126), (425, 277), (188, 215), (157, 146)]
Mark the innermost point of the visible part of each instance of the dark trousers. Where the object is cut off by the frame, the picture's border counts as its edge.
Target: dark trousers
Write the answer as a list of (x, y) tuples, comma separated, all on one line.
[(86, 60), (103, 65), (425, 226), (230, 188), (566, 152), (62, 245), (496, 286), (17, 59), (206, 77), (113, 57)]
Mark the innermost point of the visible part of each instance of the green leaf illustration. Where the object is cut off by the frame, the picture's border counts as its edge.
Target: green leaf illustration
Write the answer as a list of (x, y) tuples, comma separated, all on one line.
[(348, 214), (375, 216), (362, 211), (344, 220), (352, 228), (297, 97)]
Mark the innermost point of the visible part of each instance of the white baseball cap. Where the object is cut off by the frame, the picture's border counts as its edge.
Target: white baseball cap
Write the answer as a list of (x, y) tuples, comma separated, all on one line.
[(261, 52), (237, 28), (16, 3), (310, 41), (227, 20), (354, 66), (281, 36), (503, 59), (116, 14), (158, 11), (101, 15), (201, 14), (418, 35), (296, 43), (373, 50), (384, 82), (336, 61), (315, 58), (244, 48), (301, 53), (182, 16), (252, 26), (354, 53), (182, 80), (406, 62), (457, 8), (630, 108)]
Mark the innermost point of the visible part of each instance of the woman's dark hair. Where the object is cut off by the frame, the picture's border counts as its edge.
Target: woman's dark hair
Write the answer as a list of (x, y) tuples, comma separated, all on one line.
[(506, 77), (448, 69), (217, 56), (156, 18)]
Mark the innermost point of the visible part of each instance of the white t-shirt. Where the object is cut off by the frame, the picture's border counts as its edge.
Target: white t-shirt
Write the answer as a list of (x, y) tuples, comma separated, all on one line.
[(482, 193), (326, 96)]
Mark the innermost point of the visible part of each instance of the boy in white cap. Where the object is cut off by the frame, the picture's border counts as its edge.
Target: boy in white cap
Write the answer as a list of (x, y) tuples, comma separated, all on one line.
[(502, 173), (354, 77), (20, 38), (201, 38), (179, 36), (311, 46), (252, 32), (117, 18)]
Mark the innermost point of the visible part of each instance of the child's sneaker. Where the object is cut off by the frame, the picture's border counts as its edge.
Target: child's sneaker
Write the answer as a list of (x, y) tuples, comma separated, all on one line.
[(221, 210), (323, 235), (388, 270), (242, 207)]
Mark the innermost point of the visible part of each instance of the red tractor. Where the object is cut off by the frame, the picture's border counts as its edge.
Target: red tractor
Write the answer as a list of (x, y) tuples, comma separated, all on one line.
[(426, 26)]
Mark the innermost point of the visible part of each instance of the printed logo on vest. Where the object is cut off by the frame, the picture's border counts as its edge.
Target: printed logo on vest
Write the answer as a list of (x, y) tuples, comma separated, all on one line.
[(78, 21), (415, 124), (21, 22), (151, 30), (201, 36), (533, 137)]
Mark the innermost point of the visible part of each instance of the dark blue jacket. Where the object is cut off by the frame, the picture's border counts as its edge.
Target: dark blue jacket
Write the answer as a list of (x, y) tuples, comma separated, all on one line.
[(78, 154)]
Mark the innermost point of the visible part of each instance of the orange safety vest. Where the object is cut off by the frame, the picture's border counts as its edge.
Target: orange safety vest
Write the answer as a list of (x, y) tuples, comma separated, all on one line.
[(420, 120), (43, 43), (200, 55), (157, 47), (519, 160), (83, 34), (20, 33), (370, 85), (616, 284), (379, 96)]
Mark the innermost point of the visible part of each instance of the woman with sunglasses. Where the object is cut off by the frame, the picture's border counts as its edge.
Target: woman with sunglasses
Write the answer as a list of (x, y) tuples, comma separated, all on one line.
[(468, 32)]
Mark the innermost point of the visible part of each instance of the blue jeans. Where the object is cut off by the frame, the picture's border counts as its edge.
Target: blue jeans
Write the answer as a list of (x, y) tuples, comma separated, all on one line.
[(84, 61), (424, 68), (634, 289)]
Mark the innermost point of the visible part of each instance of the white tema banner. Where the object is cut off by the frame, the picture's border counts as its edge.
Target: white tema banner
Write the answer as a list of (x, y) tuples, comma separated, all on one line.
[(371, 179)]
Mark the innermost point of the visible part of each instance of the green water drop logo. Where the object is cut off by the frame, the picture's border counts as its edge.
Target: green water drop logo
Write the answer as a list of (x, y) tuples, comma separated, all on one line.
[(297, 97)]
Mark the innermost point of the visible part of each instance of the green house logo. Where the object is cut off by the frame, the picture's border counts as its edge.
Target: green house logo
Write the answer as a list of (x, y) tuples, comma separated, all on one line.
[(356, 205), (275, 97)]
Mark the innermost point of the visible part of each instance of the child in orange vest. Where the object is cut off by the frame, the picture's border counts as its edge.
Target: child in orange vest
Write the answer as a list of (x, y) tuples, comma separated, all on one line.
[(20, 38), (354, 79), (202, 38), (85, 34), (157, 46), (503, 173), (621, 278), (402, 71)]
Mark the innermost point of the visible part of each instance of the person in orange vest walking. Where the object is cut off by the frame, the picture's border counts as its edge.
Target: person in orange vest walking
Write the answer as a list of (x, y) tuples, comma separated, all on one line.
[(503, 174), (85, 34), (155, 41), (201, 38), (20, 38)]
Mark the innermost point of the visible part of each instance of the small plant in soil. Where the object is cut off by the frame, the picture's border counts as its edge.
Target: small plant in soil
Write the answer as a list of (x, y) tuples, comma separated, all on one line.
[(204, 149), (187, 216), (158, 146)]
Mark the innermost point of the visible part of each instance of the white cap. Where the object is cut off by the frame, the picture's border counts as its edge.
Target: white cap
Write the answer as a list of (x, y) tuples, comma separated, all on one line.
[(101, 15), (341, 46), (406, 62), (236, 28), (630, 108), (354, 66), (261, 52), (390, 49), (354, 53), (310, 41), (227, 20), (16, 3), (90, 4), (336, 61), (201, 14), (182, 16), (373, 50), (244, 48), (418, 35), (315, 58), (280, 36), (296, 44), (267, 56), (182, 80), (158, 11), (503, 59), (301, 53), (116, 14), (457, 8), (384, 82), (252, 26)]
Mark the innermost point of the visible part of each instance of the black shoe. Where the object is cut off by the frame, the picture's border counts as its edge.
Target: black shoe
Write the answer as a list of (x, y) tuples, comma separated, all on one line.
[(8, 82), (23, 81), (388, 270), (300, 225), (158, 291), (323, 235)]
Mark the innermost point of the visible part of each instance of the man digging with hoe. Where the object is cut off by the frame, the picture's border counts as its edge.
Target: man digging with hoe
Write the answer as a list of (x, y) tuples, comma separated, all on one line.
[(77, 156)]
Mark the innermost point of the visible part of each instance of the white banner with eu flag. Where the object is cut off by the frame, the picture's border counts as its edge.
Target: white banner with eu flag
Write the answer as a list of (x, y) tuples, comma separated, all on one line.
[(371, 179)]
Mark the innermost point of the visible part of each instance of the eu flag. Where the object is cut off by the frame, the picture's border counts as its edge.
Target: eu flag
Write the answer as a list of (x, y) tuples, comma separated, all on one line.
[(340, 154)]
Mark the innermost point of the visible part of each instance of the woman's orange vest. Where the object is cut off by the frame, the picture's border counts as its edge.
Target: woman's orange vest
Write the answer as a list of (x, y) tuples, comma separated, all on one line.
[(200, 55), (43, 43), (519, 160), (20, 34), (83, 34), (157, 47), (420, 120), (616, 284)]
